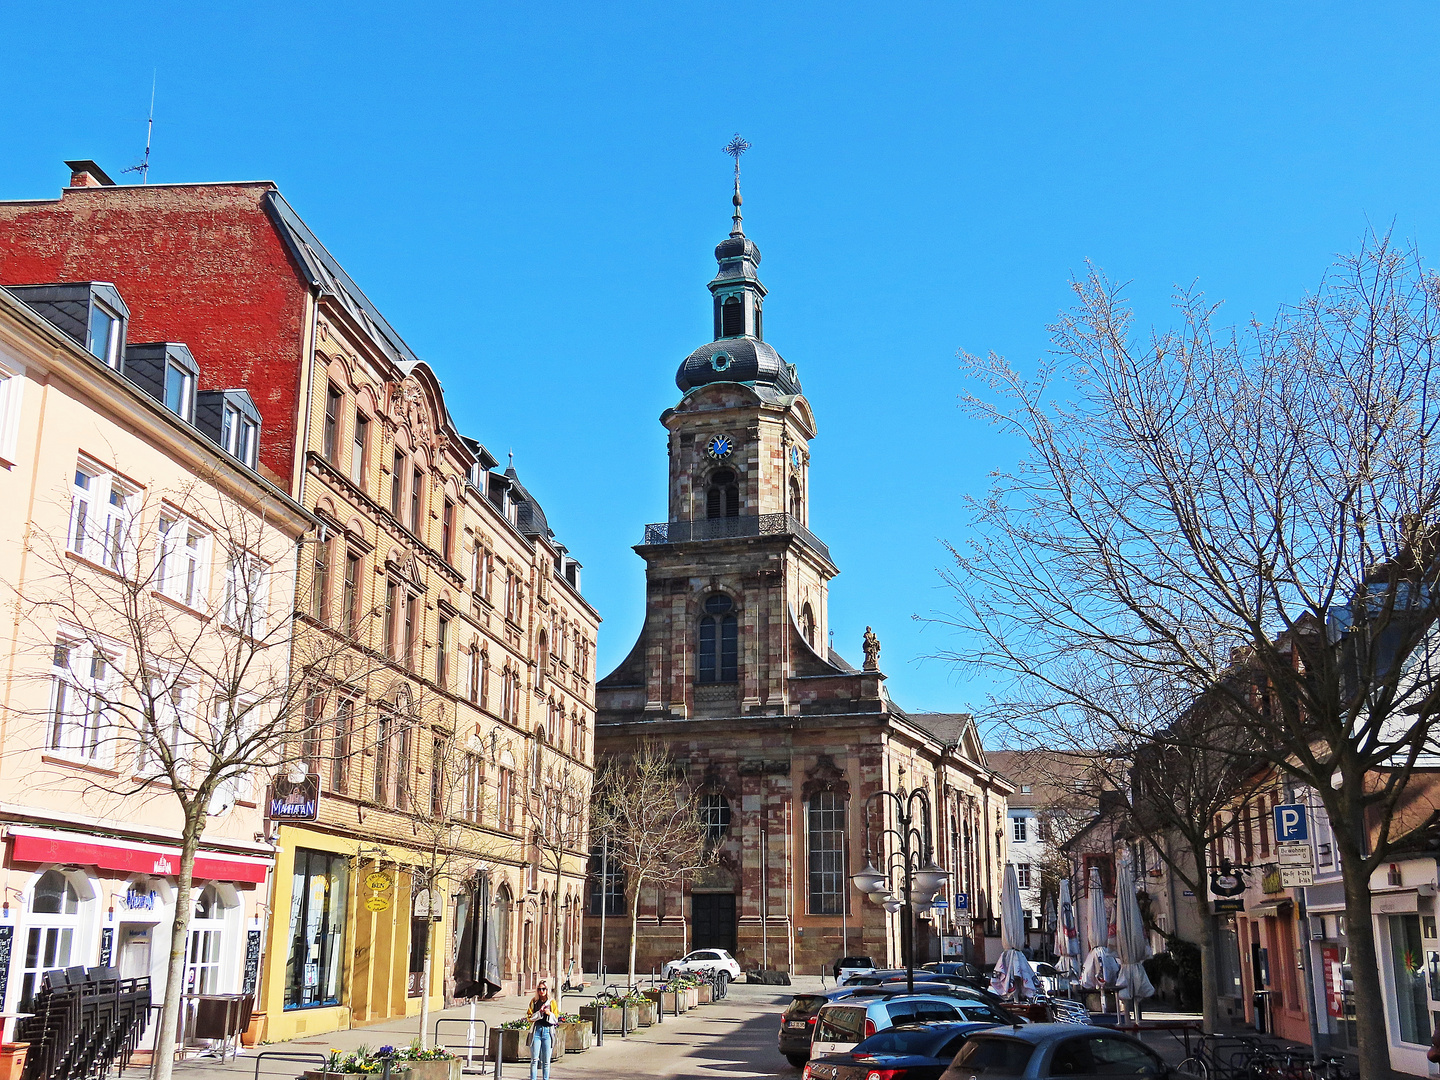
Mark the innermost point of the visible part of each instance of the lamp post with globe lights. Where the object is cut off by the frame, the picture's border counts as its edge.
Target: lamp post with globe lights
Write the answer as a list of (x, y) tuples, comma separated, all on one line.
[(914, 857)]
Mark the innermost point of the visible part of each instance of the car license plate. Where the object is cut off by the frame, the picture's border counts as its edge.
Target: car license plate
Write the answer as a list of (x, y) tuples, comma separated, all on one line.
[(796, 1024)]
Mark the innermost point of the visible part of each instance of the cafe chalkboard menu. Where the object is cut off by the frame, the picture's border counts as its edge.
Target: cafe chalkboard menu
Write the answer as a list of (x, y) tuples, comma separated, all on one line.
[(107, 945), (252, 961), (7, 937)]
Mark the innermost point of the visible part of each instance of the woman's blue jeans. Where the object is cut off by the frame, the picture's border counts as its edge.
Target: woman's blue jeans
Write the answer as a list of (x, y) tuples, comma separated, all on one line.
[(540, 1050)]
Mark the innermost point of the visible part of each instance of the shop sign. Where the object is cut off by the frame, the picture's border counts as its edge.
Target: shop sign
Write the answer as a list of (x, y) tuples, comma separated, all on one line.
[(1223, 906), (1297, 877), (1334, 979), (378, 881), (377, 903), (107, 945), (1227, 884), (1271, 883), (139, 900), (294, 800), (950, 947), (425, 905)]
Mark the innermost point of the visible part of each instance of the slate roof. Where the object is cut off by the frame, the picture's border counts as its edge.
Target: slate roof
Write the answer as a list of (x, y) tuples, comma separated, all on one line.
[(740, 359), (529, 517)]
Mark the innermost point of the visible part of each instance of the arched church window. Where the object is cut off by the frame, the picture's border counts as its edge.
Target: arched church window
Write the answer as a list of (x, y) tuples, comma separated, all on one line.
[(807, 625), (719, 641), (732, 317), (722, 495), (715, 816), (825, 836), (797, 501), (759, 323)]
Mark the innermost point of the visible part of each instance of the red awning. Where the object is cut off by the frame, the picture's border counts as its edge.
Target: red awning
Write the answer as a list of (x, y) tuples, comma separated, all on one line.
[(48, 846)]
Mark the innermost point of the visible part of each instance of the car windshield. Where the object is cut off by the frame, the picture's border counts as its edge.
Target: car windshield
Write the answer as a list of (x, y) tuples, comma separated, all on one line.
[(857, 961), (844, 1025), (804, 1005), (981, 1013), (900, 1041), (993, 1055)]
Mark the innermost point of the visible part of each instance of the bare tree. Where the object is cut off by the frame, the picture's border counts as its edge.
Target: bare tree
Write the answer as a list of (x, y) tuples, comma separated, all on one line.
[(651, 817), (1271, 489), (193, 693)]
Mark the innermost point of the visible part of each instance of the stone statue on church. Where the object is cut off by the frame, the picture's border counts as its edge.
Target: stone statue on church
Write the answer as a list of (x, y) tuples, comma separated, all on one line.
[(871, 645)]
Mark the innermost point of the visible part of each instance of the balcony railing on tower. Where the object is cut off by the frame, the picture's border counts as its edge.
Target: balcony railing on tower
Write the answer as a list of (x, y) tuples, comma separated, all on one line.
[(731, 528)]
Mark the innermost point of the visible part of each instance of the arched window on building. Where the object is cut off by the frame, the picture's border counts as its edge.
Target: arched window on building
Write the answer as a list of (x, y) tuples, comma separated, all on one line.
[(719, 641), (207, 932), (807, 625), (52, 936), (797, 501), (715, 816), (544, 669), (825, 835), (732, 317), (722, 494)]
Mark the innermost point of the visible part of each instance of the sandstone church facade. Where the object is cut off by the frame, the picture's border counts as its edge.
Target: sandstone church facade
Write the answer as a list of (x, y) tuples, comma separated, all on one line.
[(782, 738)]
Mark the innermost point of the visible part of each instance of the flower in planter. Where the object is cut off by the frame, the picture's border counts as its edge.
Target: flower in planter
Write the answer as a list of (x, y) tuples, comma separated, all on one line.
[(518, 1024), (414, 1052), (572, 1018)]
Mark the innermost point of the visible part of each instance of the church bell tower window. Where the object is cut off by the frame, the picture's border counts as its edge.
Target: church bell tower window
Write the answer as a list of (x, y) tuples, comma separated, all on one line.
[(719, 641), (722, 495), (732, 317)]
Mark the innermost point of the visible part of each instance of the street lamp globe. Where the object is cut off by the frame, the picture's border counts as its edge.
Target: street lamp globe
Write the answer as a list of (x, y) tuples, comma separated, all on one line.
[(893, 905), (928, 880), (869, 880)]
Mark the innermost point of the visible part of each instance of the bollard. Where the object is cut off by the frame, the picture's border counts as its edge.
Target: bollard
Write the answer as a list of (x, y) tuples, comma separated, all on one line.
[(498, 1055), (599, 1025), (623, 1031)]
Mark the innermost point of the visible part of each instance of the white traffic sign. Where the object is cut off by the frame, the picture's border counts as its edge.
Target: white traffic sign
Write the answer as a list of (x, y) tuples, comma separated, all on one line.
[(1295, 877), (1294, 853)]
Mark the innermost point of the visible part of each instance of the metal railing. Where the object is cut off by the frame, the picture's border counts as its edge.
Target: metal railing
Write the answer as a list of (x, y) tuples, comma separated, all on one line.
[(731, 528)]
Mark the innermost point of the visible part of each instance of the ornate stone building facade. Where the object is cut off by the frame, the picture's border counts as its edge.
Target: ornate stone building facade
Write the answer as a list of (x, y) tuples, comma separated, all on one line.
[(784, 740), (461, 744)]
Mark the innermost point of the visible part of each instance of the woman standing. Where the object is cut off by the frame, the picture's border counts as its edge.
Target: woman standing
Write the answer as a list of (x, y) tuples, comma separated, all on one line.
[(543, 1015)]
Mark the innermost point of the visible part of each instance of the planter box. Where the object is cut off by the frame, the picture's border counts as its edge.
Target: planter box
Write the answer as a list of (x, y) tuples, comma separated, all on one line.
[(646, 1013), (690, 999), (12, 1059), (442, 1069), (515, 1044), (575, 1038), (612, 1017), (703, 994)]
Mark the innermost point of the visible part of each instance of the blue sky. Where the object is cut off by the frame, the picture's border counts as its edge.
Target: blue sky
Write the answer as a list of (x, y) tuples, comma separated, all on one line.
[(531, 193)]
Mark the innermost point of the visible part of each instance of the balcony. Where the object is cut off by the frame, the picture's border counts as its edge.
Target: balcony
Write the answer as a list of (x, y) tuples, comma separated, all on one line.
[(732, 528)]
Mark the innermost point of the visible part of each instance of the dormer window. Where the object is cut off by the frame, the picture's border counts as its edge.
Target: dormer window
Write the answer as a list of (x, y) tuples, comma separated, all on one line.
[(103, 339), (179, 391), (238, 435), (732, 317)]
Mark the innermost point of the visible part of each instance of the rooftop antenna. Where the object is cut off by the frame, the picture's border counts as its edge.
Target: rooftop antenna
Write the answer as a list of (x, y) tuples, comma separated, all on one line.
[(735, 147), (144, 167)]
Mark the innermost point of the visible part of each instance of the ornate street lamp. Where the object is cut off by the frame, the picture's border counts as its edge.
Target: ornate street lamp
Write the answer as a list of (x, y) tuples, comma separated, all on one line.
[(920, 878)]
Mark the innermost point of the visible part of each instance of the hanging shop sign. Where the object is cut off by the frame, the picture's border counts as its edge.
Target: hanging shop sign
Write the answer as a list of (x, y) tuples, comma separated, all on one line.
[(379, 881), (294, 800), (377, 903), (1227, 883)]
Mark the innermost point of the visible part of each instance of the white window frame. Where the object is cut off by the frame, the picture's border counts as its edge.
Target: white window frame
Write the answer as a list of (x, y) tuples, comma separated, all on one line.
[(12, 385), (1022, 875), (174, 724), (247, 586), (81, 720), (237, 434), (225, 740), (182, 568), (1019, 829), (102, 517)]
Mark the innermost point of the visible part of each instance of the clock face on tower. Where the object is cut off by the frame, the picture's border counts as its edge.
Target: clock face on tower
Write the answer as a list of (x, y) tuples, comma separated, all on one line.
[(795, 457), (719, 446)]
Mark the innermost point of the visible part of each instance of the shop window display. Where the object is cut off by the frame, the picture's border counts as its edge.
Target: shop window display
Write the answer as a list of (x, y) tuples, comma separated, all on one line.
[(317, 930), (1407, 974)]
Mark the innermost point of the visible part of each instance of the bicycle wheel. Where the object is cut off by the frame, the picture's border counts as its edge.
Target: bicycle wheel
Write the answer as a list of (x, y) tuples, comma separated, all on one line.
[(1193, 1068)]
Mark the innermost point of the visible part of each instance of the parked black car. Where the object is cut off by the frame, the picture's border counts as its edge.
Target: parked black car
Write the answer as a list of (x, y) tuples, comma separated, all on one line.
[(797, 1023), (907, 1052), (1046, 1050)]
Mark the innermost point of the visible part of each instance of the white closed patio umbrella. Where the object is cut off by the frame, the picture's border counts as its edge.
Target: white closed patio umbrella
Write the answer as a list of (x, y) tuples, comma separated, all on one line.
[(1101, 966), (1130, 941), (1067, 935), (1014, 977)]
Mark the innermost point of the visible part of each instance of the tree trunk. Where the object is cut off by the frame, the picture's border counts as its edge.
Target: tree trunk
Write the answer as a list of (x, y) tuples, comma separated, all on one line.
[(1364, 967), (1209, 960), (165, 1036), (425, 980), (634, 929)]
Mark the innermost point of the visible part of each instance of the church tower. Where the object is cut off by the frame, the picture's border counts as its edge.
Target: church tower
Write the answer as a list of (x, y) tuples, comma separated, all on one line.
[(782, 741), (737, 584)]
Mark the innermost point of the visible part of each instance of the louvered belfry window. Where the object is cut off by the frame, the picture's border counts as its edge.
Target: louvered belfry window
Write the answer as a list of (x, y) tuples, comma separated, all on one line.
[(722, 499), (732, 317)]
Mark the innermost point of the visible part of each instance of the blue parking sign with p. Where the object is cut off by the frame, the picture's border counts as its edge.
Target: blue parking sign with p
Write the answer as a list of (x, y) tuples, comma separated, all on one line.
[(1290, 822)]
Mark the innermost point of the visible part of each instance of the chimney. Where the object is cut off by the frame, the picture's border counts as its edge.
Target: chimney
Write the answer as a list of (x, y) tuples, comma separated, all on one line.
[(87, 174)]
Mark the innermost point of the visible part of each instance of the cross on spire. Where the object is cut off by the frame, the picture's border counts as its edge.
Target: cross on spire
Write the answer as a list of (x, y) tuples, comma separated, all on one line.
[(735, 147)]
